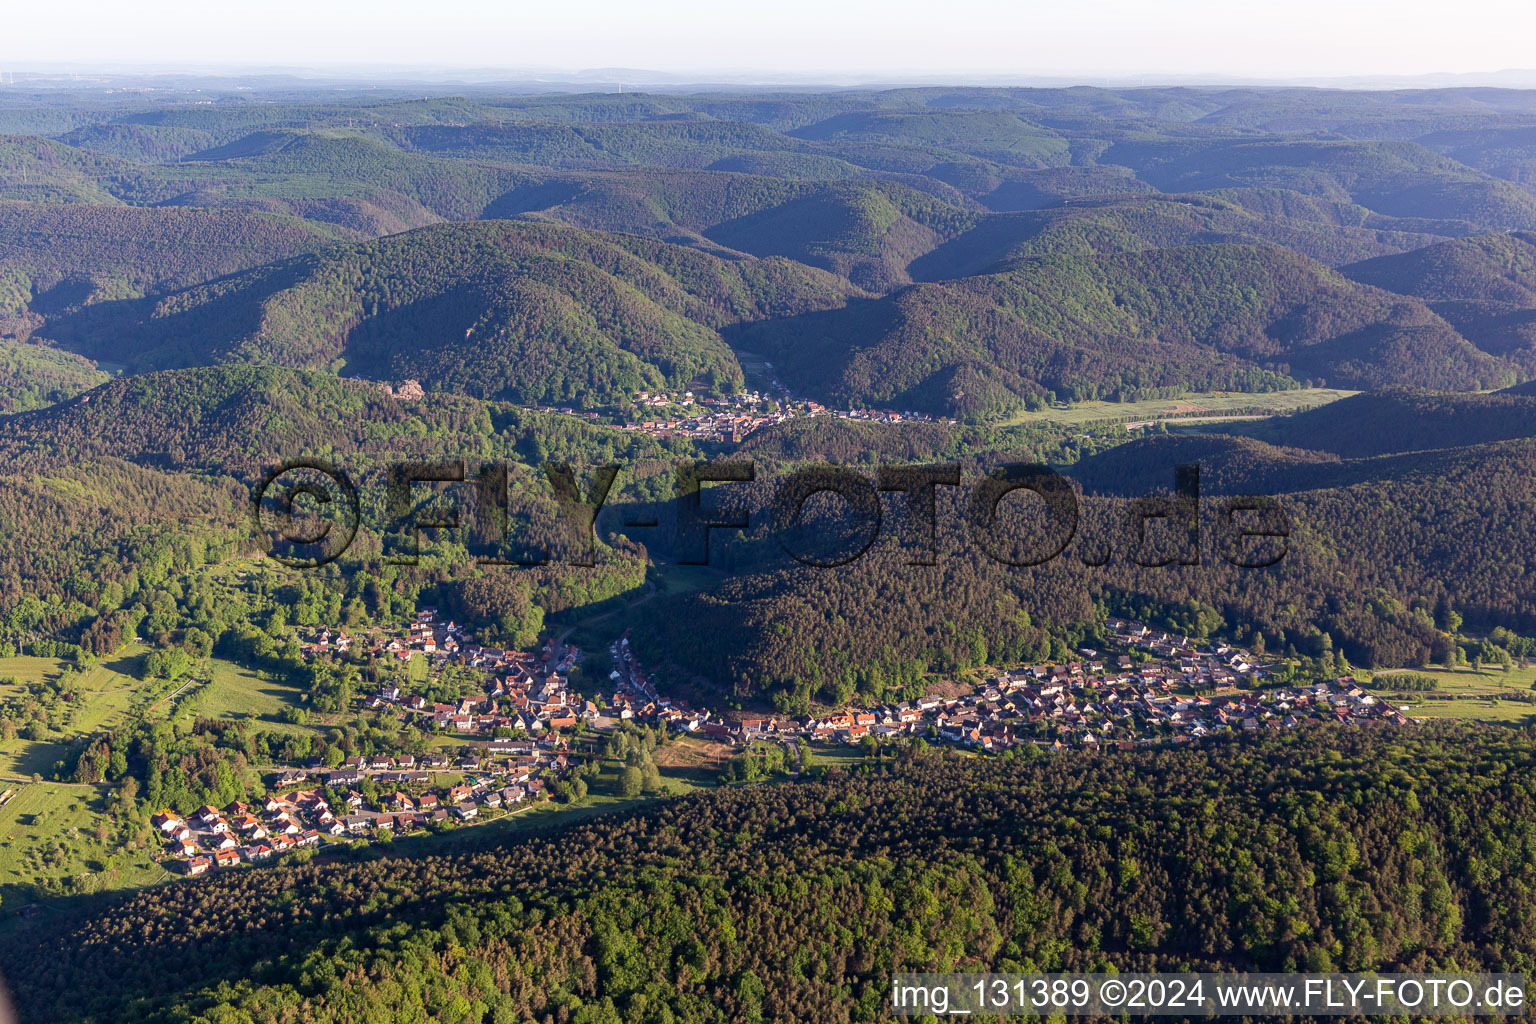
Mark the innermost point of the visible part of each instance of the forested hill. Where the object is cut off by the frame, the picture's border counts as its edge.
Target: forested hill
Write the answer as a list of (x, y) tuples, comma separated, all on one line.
[(1325, 849), (516, 310), (973, 253), (1484, 286), (1329, 231), (57, 256), (1375, 546), (1486, 268), (239, 417), (541, 313), (1395, 421), (1067, 244), (1369, 439), (865, 231), (1200, 317), (33, 377)]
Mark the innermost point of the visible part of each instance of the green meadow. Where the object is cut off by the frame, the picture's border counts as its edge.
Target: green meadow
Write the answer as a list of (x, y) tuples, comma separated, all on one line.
[(1195, 407)]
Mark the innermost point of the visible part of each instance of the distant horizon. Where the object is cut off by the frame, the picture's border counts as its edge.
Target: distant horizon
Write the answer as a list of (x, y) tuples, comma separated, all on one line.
[(67, 73), (834, 42)]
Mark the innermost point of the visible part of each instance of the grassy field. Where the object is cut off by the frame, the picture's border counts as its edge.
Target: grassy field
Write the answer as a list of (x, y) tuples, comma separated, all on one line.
[(690, 762), (27, 670), (237, 694), (51, 844), (109, 689), (1475, 692), (1464, 681), (1489, 710), (104, 694), (1205, 406), (108, 693)]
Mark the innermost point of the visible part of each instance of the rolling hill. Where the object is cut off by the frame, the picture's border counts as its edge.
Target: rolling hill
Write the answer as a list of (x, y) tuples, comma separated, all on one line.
[(1066, 244), (143, 143), (1397, 179), (865, 231), (33, 377), (286, 164), (1200, 317), (1484, 286), (1330, 235), (55, 257), (231, 418), (517, 310), (1374, 545), (1391, 422), (337, 176)]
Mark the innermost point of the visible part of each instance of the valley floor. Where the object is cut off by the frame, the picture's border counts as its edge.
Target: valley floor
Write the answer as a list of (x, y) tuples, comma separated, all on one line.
[(1202, 407)]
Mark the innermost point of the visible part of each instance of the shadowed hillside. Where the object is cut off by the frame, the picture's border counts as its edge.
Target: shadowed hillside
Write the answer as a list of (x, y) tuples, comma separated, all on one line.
[(1201, 317), (1484, 286), (537, 313)]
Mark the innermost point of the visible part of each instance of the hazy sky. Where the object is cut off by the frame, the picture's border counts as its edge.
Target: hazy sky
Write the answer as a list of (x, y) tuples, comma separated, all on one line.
[(1253, 38)]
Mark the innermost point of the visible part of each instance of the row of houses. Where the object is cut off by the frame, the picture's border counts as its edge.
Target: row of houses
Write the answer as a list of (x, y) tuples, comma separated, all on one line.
[(1082, 713), (410, 800), (214, 838), (1163, 687), (244, 833)]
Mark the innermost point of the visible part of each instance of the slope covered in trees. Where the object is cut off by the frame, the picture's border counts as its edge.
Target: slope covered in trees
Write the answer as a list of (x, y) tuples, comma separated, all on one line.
[(1397, 179), (1198, 317), (224, 247), (533, 313), (1379, 546), (32, 377), (1324, 849), (56, 256), (1328, 233), (1484, 286), (341, 178), (116, 503), (1387, 422), (876, 187), (865, 231), (449, 189), (229, 416), (803, 218)]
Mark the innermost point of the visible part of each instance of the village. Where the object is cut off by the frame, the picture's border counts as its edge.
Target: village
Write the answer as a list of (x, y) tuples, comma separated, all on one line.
[(733, 418), (700, 417), (390, 797), (1172, 694), (1158, 687)]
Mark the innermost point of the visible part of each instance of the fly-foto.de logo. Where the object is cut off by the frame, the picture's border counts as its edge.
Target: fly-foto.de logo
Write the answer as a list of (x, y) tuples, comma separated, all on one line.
[(823, 516)]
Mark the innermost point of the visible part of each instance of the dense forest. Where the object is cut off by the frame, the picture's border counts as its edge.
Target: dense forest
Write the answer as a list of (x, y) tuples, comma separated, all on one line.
[(33, 377), (116, 500), (1400, 508), (526, 312), (1324, 849), (1209, 318), (1096, 245), (55, 257)]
